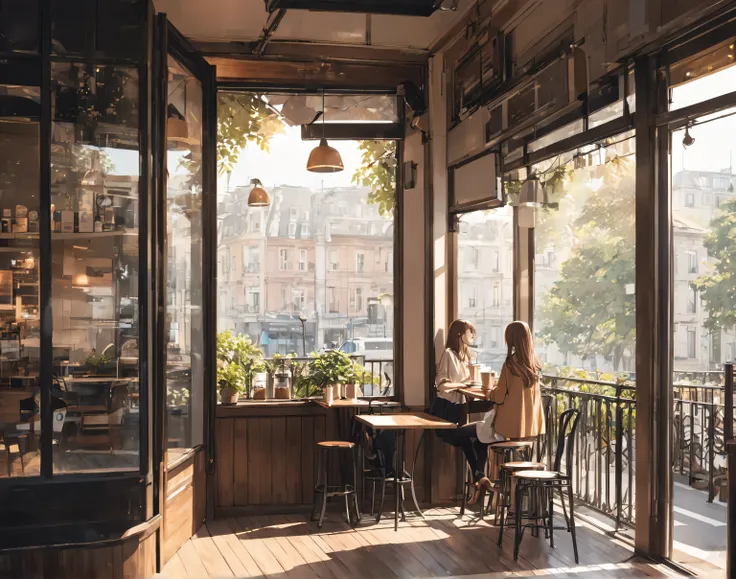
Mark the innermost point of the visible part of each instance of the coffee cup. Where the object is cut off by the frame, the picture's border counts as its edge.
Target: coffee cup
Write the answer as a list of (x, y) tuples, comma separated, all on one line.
[(486, 380), (475, 372)]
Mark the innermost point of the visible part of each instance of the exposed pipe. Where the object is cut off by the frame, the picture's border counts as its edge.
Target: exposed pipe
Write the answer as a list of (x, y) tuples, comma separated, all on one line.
[(272, 23)]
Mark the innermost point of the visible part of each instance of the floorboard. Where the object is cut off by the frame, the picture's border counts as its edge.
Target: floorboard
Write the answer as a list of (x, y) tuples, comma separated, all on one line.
[(442, 545)]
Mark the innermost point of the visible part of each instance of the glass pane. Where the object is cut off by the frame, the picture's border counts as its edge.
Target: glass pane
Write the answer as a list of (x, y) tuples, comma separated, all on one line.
[(706, 76), (301, 109), (19, 25), (112, 27), (184, 371), (94, 201), (485, 263), (585, 309), (703, 332), (321, 251), (19, 282)]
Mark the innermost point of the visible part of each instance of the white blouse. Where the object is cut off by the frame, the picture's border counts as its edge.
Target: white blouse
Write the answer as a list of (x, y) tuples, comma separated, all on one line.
[(451, 370)]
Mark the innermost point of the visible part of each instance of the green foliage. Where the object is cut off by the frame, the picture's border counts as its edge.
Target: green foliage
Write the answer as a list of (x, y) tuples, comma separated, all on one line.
[(331, 367), (718, 287), (238, 359), (94, 361), (243, 118), (588, 311), (378, 171)]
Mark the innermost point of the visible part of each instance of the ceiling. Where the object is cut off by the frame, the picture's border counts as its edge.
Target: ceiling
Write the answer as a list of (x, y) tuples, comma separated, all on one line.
[(244, 20)]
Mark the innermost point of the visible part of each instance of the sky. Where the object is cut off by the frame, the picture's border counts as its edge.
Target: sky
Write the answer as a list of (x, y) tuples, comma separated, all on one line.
[(286, 164)]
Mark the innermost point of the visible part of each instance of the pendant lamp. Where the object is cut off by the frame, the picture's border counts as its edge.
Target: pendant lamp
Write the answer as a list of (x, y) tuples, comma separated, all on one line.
[(533, 193), (323, 158), (258, 196)]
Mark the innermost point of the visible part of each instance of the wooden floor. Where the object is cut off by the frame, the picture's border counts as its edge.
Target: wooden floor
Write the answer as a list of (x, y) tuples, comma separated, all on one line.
[(444, 545)]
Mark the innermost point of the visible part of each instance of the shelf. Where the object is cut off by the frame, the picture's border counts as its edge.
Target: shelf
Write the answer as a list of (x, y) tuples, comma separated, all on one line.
[(98, 235), (19, 235)]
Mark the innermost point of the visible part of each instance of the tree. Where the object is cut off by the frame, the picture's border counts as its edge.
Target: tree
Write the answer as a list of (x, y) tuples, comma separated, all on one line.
[(718, 287), (243, 118), (588, 310), (378, 171)]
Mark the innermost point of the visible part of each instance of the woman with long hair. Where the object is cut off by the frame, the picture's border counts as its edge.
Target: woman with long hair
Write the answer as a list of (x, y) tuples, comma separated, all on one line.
[(517, 412)]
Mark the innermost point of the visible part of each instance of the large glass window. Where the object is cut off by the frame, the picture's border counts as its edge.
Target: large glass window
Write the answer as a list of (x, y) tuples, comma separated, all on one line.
[(95, 166), (584, 292), (184, 364), (319, 267), (19, 280), (485, 279)]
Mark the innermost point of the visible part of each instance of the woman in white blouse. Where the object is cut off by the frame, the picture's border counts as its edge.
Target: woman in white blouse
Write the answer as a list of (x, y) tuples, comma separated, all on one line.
[(453, 373)]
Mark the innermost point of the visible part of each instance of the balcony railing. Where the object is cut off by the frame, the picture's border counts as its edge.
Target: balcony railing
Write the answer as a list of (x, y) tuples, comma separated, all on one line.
[(603, 473)]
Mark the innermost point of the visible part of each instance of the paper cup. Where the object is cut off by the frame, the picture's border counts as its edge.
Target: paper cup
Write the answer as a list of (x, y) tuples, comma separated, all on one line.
[(485, 378)]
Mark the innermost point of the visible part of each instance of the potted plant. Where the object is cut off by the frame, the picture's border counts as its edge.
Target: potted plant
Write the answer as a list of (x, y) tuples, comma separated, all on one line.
[(238, 359), (331, 368), (279, 374), (94, 362)]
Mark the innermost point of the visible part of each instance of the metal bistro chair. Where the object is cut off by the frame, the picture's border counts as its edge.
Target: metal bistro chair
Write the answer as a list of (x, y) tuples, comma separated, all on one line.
[(539, 487), (508, 468)]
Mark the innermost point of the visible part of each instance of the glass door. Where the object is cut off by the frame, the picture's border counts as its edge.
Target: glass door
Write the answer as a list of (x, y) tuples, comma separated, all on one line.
[(703, 254)]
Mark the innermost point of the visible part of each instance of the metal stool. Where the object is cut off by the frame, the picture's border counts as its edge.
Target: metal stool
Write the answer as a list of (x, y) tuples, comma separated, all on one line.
[(540, 486), (512, 450), (323, 486), (508, 470)]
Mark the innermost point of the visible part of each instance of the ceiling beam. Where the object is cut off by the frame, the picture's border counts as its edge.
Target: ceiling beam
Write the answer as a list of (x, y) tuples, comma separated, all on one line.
[(306, 51), (272, 23)]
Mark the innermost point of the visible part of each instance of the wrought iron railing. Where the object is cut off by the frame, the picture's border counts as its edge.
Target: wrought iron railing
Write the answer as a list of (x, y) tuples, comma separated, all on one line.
[(603, 473)]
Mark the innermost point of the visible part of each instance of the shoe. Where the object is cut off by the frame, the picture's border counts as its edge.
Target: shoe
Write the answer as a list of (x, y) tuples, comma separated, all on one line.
[(478, 493), (488, 485)]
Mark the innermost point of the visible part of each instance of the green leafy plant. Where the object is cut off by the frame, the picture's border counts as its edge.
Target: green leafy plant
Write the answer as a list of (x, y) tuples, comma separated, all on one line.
[(238, 359), (94, 362), (378, 171), (331, 367)]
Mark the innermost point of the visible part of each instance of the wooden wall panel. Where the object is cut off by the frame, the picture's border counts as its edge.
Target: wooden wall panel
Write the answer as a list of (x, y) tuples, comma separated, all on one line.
[(184, 507), (224, 459), (130, 558), (269, 460), (240, 461)]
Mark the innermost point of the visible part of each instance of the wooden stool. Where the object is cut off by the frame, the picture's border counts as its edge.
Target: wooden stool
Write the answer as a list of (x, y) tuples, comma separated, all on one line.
[(323, 487)]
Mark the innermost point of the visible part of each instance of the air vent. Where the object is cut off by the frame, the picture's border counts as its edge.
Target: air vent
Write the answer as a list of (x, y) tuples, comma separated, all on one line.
[(398, 7)]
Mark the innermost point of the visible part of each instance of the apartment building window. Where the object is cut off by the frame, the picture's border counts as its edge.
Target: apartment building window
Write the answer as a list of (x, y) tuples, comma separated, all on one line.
[(495, 335), (359, 300), (691, 335), (284, 302), (334, 263), (496, 295), (389, 262), (255, 222), (302, 260), (304, 230), (689, 200), (474, 257), (298, 299), (351, 299), (332, 303), (252, 260), (730, 351), (283, 259), (472, 296), (692, 261), (234, 264), (292, 230), (494, 261), (721, 183), (293, 213), (692, 300), (252, 299), (360, 262)]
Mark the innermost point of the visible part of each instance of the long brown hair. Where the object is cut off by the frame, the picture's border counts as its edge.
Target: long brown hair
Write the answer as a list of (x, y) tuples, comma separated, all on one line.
[(455, 339), (520, 357)]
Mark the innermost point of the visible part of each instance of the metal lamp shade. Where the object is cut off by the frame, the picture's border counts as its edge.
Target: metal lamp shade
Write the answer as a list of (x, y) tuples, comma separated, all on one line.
[(258, 197), (324, 159), (533, 194)]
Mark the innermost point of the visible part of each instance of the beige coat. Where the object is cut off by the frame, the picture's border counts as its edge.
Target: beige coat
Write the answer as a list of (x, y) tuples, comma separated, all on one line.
[(519, 411)]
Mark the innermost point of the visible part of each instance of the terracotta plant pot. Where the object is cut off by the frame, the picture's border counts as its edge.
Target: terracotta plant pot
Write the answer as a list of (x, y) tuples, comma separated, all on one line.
[(229, 395)]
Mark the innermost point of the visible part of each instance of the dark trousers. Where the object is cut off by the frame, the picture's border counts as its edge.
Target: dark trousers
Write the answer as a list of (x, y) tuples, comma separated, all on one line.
[(476, 453)]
